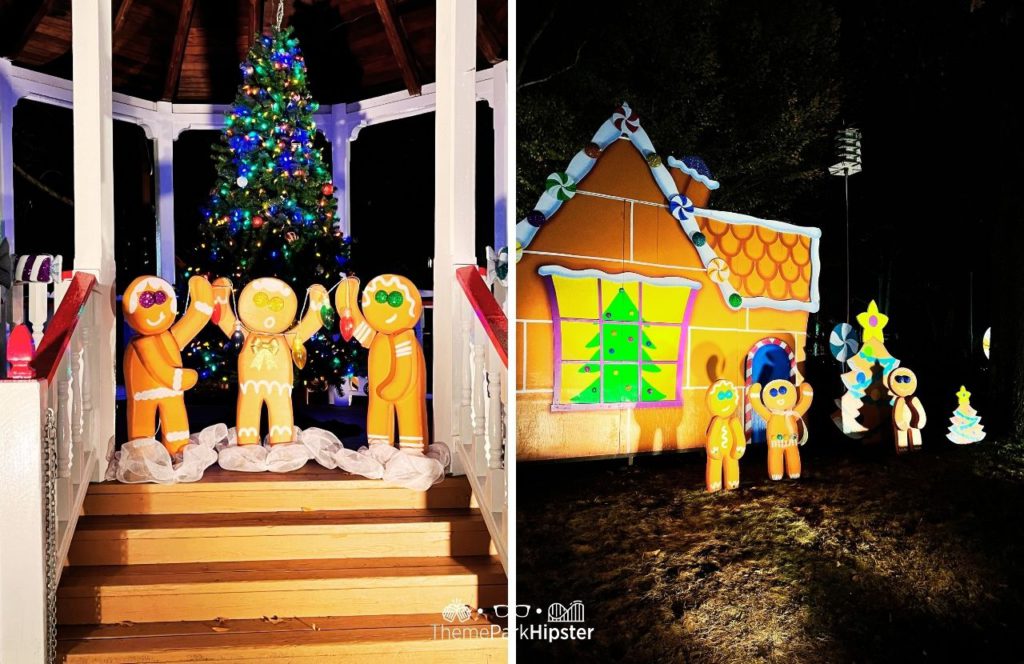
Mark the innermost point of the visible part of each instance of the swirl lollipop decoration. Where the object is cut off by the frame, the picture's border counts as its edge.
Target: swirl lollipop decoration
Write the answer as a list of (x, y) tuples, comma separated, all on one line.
[(560, 186), (718, 271), (681, 207), (843, 342), (625, 119)]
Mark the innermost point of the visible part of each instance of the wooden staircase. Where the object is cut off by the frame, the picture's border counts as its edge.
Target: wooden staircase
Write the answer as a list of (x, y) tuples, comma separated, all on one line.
[(311, 566)]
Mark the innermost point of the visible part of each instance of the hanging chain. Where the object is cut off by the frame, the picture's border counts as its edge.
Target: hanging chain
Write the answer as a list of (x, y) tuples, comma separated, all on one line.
[(50, 530), (280, 14)]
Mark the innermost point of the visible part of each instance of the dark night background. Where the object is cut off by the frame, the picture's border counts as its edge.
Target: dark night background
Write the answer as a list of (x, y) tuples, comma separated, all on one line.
[(760, 89), (867, 557)]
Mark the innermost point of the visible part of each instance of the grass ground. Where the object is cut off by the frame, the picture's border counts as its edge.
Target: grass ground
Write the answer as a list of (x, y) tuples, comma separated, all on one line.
[(868, 558)]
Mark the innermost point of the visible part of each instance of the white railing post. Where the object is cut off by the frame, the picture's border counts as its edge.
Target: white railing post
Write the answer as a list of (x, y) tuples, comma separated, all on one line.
[(163, 137), (7, 101), (94, 204), (23, 564)]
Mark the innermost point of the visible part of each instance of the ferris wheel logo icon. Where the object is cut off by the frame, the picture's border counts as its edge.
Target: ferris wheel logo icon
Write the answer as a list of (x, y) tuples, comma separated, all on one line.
[(558, 613)]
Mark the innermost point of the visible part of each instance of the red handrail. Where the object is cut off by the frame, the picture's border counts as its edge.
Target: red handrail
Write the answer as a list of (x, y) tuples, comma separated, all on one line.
[(487, 309), (60, 328)]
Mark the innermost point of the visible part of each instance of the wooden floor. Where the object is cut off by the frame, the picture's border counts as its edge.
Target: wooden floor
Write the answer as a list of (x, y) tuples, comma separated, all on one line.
[(310, 566)]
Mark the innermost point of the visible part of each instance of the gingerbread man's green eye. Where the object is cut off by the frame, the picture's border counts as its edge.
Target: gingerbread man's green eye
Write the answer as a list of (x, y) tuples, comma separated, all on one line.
[(395, 299), (381, 297)]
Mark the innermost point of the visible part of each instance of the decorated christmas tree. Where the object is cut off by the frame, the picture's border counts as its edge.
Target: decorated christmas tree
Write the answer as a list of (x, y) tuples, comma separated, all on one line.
[(271, 211), (621, 382), (863, 381), (966, 428)]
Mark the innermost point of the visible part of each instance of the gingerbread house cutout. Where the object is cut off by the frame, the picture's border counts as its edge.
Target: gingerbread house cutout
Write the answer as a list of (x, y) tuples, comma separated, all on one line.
[(633, 297)]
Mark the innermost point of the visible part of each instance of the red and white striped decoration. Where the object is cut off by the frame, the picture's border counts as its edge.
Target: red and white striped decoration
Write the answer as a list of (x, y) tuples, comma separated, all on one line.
[(748, 412)]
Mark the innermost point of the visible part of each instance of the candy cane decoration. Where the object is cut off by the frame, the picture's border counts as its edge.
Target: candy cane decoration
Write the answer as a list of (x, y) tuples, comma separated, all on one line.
[(748, 412)]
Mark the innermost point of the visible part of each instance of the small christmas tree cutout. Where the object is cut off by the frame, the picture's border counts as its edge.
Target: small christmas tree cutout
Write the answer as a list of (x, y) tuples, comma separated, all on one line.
[(862, 379), (966, 427), (622, 329)]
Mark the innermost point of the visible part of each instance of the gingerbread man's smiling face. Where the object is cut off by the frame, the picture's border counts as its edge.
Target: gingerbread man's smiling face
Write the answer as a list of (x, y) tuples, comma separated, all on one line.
[(267, 305), (722, 398), (391, 304), (149, 305), (902, 382), (779, 395)]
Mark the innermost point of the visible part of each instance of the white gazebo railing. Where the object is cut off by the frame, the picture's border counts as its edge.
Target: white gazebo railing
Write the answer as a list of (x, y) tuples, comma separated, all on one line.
[(481, 379), (48, 432)]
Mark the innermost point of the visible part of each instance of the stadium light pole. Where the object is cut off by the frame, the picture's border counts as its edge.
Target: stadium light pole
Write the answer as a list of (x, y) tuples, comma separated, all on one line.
[(848, 151)]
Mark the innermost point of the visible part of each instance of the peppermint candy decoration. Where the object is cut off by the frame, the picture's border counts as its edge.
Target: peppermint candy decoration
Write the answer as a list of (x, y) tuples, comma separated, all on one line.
[(625, 119), (718, 271), (843, 342), (561, 186), (681, 207)]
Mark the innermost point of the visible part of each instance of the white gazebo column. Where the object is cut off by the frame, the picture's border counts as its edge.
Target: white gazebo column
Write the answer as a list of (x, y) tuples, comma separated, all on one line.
[(454, 190), (163, 136), (500, 123), (340, 136), (7, 102), (94, 199)]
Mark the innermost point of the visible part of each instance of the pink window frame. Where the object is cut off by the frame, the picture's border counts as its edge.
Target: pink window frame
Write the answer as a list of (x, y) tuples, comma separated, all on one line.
[(680, 363)]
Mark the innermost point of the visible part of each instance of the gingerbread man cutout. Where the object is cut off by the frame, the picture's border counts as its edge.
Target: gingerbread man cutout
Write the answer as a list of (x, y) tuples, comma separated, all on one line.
[(725, 441), (397, 373), (783, 405), (155, 381), (908, 417), (266, 312)]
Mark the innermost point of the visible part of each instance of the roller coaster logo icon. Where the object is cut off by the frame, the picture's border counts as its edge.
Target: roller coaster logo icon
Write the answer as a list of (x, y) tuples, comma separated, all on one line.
[(559, 613)]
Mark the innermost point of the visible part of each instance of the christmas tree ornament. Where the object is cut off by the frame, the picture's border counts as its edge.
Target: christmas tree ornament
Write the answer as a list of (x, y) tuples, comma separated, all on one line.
[(327, 189), (908, 416), (966, 425), (242, 181), (257, 222), (783, 406), (725, 441), (155, 378)]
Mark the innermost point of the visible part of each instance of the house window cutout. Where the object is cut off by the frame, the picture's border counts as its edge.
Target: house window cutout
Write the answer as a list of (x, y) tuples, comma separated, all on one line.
[(620, 339)]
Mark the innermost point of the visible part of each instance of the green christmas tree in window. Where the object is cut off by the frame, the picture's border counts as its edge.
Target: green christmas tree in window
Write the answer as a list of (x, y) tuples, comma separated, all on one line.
[(625, 345)]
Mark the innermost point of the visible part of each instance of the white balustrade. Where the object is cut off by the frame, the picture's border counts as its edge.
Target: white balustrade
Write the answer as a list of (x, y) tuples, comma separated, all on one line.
[(50, 421), (480, 432)]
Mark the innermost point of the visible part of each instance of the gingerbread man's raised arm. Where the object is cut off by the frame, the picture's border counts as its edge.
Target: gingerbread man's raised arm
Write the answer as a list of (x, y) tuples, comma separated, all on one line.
[(312, 320), (346, 300), (222, 289), (757, 404), (199, 311), (804, 402)]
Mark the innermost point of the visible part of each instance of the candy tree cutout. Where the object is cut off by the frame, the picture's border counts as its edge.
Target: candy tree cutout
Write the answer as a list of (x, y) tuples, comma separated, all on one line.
[(861, 407), (622, 378), (966, 425)]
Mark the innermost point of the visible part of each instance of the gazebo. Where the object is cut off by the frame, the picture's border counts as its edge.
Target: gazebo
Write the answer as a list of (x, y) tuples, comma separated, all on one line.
[(171, 66)]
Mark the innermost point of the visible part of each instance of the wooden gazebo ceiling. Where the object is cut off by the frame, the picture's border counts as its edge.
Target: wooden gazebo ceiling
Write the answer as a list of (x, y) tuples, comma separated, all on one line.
[(189, 50)]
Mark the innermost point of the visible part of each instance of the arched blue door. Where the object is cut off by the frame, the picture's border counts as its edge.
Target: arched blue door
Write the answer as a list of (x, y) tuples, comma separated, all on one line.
[(770, 362)]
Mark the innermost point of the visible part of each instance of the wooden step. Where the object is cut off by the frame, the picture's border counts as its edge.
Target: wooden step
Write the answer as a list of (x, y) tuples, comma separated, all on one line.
[(389, 639), (196, 538), (345, 587), (312, 487)]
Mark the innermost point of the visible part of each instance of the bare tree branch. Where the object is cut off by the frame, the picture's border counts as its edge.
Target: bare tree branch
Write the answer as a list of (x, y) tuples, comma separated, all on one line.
[(525, 54), (561, 71), (37, 183)]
